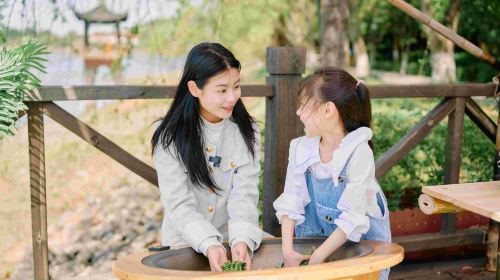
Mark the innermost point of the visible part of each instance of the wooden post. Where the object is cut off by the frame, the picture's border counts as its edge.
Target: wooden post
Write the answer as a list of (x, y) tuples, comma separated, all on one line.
[(86, 33), (118, 33), (285, 66), (453, 157), (493, 241), (37, 186), (492, 247)]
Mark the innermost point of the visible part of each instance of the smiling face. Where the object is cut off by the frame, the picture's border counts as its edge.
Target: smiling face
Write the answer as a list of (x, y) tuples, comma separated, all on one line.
[(219, 95)]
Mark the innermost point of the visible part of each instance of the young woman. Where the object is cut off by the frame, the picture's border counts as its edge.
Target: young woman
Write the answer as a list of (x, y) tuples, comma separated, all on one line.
[(206, 152)]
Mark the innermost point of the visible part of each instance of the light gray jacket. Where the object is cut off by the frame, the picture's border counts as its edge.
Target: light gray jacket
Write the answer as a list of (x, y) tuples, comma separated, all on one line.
[(200, 218)]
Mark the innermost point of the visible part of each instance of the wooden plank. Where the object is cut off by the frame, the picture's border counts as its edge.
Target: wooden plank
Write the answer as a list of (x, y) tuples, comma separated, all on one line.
[(453, 156), (413, 137), (477, 197), (429, 241), (101, 142), (38, 190), (448, 90), (480, 118), (59, 93), (282, 125)]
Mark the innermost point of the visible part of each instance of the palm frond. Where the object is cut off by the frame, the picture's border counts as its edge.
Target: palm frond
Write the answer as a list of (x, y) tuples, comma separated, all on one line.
[(17, 78)]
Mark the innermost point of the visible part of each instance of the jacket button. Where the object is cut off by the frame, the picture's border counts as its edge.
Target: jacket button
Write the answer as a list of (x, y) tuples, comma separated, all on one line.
[(233, 164), (210, 209), (209, 149)]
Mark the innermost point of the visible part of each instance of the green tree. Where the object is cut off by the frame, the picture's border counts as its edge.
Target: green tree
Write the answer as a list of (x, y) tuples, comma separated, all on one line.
[(442, 50), (479, 24)]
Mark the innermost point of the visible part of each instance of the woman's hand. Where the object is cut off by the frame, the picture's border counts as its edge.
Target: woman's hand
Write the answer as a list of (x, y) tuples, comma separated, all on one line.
[(293, 258), (216, 257), (239, 252)]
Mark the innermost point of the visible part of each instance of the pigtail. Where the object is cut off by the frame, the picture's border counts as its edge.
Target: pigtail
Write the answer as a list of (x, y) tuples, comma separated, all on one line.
[(363, 95)]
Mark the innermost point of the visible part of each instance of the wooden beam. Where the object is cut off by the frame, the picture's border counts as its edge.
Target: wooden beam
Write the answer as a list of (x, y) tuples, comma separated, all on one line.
[(282, 125), (453, 156), (492, 245), (413, 137), (480, 118), (448, 90), (493, 242), (59, 93), (101, 142), (429, 241), (454, 142), (38, 190)]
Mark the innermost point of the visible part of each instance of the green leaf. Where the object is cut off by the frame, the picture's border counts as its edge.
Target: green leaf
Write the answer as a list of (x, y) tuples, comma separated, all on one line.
[(17, 78)]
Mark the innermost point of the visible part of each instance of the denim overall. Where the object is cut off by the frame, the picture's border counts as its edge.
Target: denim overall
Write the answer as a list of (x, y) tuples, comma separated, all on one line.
[(322, 211)]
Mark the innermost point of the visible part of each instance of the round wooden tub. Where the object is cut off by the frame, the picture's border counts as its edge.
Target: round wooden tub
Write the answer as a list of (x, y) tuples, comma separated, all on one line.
[(361, 261)]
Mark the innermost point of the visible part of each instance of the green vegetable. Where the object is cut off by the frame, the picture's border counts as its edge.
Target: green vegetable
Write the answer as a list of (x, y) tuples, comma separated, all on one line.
[(234, 266)]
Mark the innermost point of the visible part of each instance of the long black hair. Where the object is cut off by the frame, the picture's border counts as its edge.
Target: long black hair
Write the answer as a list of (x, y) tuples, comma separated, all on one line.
[(182, 125), (352, 98)]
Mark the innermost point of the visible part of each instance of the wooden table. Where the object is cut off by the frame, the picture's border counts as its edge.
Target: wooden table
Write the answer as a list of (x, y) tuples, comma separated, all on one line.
[(482, 198)]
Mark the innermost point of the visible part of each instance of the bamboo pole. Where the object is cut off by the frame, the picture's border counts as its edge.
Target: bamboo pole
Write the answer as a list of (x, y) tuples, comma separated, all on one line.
[(446, 32), (430, 205)]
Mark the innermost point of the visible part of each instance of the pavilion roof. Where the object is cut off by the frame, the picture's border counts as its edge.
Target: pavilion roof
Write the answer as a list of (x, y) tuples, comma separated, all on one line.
[(101, 14)]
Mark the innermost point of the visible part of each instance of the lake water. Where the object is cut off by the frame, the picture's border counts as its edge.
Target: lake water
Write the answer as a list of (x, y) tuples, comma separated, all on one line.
[(66, 68)]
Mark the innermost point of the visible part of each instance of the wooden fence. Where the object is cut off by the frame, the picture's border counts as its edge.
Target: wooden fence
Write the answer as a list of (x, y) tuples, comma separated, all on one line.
[(285, 66)]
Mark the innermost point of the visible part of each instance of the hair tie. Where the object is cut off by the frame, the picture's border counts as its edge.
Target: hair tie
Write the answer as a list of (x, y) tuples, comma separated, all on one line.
[(359, 82)]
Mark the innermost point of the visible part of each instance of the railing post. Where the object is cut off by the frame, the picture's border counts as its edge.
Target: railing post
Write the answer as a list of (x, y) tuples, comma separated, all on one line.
[(493, 241), (37, 187), (453, 157), (285, 66)]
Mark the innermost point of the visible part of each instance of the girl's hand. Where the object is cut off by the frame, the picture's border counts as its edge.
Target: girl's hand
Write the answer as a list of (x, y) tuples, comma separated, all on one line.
[(316, 258), (216, 257), (239, 252), (293, 258)]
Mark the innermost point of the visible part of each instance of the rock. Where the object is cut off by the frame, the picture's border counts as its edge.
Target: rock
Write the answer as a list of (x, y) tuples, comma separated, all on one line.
[(85, 241)]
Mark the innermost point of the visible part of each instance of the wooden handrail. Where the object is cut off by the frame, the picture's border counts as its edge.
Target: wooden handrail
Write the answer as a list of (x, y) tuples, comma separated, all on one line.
[(67, 93)]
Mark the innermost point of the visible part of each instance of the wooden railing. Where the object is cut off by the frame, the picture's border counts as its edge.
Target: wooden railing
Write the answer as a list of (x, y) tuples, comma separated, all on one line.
[(285, 66)]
